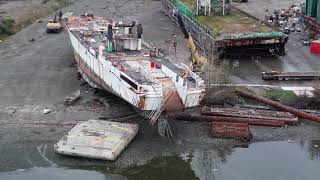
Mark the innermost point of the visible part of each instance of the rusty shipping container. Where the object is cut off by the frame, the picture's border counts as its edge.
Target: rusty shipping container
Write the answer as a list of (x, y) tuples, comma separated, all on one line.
[(231, 130)]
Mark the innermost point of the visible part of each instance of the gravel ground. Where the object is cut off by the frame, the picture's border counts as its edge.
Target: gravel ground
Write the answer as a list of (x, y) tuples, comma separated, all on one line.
[(37, 75), (25, 12), (298, 57)]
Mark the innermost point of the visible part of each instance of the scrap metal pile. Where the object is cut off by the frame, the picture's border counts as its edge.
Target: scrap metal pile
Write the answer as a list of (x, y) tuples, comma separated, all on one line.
[(234, 122), (288, 20)]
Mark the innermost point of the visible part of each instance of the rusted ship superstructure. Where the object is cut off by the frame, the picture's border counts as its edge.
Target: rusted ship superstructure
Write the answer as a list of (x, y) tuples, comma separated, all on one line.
[(112, 56)]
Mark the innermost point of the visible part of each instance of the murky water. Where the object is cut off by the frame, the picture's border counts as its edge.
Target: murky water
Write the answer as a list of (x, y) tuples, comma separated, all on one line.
[(270, 160)]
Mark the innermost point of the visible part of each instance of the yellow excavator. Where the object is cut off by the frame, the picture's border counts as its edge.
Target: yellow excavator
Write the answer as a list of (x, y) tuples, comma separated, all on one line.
[(55, 25), (198, 61)]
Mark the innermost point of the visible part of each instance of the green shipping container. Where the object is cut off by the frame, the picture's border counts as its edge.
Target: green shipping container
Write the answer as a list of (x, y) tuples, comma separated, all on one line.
[(312, 8), (318, 11), (304, 8)]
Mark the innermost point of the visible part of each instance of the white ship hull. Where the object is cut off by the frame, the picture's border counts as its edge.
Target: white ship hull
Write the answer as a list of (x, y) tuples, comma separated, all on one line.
[(101, 73)]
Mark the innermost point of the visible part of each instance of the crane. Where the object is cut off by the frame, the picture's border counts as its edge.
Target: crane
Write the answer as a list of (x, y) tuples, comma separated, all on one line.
[(198, 61)]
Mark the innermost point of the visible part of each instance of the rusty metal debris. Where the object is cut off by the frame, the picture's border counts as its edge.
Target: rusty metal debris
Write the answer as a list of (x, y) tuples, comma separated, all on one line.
[(288, 118), (72, 98), (294, 111), (250, 121), (275, 75), (231, 130)]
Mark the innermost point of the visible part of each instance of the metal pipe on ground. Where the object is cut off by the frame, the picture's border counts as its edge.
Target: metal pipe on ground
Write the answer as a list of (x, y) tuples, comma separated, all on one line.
[(251, 121), (294, 111)]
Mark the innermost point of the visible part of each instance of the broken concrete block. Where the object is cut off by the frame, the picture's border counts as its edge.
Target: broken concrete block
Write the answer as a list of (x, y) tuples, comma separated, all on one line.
[(97, 139)]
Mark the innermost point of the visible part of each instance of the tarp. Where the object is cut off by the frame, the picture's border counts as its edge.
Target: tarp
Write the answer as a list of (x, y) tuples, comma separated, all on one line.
[(315, 47)]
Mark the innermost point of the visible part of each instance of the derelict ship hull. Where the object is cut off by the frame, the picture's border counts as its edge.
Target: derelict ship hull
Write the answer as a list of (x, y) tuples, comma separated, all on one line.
[(127, 74)]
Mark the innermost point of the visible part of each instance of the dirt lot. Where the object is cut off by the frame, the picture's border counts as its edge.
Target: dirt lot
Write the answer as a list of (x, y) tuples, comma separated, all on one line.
[(39, 74), (25, 12)]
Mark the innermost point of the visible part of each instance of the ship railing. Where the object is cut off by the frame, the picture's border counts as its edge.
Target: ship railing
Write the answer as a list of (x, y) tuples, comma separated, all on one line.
[(189, 14), (198, 80)]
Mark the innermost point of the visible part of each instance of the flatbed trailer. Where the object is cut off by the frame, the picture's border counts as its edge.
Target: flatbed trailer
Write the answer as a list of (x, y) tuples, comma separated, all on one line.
[(237, 34), (274, 75)]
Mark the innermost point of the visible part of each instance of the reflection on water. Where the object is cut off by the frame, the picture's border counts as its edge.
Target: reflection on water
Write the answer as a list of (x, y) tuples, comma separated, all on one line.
[(263, 161), (270, 160), (313, 148), (162, 168), (206, 163), (51, 173)]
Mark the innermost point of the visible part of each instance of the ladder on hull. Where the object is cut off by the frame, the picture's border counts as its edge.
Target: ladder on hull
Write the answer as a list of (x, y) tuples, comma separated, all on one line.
[(154, 115)]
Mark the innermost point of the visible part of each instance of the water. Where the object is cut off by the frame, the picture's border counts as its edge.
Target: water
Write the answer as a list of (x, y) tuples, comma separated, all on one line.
[(263, 161), (52, 173)]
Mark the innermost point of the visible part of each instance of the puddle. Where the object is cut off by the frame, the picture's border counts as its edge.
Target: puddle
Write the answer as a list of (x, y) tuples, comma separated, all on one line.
[(263, 161)]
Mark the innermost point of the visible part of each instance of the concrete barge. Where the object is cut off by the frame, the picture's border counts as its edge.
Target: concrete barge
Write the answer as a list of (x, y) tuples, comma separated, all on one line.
[(236, 34)]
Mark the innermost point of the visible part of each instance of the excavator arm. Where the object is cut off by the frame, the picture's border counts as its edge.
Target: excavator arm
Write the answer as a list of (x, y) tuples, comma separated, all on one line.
[(198, 61)]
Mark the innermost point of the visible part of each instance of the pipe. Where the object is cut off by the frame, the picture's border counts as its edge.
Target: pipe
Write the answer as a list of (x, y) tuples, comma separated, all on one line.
[(251, 121), (291, 110)]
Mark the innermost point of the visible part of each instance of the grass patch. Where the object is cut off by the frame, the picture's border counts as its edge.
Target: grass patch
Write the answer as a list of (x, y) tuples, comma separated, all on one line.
[(235, 22), (281, 95), (7, 26)]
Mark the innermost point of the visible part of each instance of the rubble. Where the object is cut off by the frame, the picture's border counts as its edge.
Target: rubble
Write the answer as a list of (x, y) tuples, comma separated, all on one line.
[(286, 19), (72, 98)]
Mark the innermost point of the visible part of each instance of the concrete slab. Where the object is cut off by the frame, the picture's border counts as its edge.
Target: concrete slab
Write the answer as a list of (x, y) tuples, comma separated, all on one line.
[(97, 139)]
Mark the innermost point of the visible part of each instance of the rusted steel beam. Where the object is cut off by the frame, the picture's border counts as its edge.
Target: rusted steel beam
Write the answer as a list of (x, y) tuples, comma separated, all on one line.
[(288, 118), (251, 121), (294, 111), (231, 130)]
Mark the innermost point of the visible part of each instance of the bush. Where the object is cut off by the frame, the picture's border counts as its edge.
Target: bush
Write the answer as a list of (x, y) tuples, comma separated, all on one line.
[(281, 95), (7, 26)]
